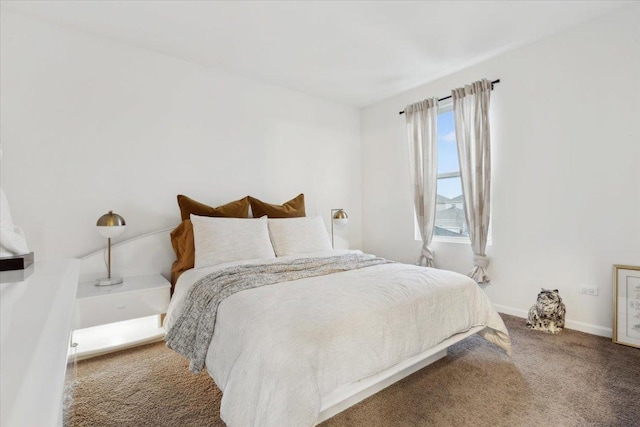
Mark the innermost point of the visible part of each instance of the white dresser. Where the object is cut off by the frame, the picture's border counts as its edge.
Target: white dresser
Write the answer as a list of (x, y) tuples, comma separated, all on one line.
[(36, 322)]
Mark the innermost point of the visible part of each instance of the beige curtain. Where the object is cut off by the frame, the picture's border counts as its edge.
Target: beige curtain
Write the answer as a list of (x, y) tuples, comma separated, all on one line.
[(422, 132), (471, 115)]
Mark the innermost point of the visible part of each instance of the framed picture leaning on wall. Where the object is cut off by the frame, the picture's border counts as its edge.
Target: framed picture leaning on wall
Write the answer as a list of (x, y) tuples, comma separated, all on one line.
[(626, 305)]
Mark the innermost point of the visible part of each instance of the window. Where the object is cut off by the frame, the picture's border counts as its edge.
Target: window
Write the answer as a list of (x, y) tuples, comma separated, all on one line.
[(450, 219), (450, 223)]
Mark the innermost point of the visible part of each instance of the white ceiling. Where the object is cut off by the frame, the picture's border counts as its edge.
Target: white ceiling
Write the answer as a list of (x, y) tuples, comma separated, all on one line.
[(355, 53)]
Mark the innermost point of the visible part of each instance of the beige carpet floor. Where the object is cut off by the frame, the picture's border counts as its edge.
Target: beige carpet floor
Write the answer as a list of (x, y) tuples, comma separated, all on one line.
[(570, 379)]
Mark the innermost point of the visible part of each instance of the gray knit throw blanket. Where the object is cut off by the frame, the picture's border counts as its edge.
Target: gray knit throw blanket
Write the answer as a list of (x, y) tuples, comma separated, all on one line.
[(192, 331)]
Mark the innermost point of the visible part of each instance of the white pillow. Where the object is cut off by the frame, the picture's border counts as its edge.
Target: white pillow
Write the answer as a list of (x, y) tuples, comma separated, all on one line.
[(293, 236), (219, 240)]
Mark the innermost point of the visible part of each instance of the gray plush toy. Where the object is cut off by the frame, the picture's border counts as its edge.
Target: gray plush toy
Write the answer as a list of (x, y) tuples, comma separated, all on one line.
[(547, 314)]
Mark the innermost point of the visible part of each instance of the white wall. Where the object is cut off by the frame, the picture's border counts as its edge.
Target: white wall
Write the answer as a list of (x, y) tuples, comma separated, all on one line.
[(565, 124), (90, 125)]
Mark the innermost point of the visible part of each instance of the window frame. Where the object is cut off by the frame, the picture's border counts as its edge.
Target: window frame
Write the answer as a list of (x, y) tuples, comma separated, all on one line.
[(446, 107)]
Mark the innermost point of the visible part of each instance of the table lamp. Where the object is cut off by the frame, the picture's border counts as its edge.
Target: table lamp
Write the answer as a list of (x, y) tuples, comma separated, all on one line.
[(110, 225), (339, 218)]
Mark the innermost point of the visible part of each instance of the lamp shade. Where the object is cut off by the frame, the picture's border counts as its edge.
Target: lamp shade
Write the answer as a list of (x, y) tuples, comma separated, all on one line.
[(110, 225), (340, 218)]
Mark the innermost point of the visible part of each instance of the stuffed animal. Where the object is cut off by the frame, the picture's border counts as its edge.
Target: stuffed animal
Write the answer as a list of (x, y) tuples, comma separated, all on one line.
[(547, 314)]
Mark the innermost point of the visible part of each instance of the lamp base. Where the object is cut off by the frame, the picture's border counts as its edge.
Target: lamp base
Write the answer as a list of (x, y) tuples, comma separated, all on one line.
[(109, 281)]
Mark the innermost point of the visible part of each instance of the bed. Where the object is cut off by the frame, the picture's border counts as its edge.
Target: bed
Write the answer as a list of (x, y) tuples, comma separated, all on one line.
[(297, 352)]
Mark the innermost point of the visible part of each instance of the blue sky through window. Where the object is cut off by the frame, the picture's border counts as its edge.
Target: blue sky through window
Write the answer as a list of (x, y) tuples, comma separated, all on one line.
[(448, 156)]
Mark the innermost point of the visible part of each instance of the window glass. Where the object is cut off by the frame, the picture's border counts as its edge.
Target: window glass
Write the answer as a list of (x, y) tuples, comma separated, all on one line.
[(450, 220)]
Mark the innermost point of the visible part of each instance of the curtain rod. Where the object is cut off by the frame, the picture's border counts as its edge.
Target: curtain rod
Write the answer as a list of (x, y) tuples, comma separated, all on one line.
[(449, 97)]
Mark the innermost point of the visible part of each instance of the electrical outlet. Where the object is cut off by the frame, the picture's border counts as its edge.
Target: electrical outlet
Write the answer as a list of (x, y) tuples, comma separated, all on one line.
[(588, 290)]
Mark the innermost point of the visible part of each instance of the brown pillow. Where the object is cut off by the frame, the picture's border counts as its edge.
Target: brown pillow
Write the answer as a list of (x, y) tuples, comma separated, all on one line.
[(237, 209), (182, 242), (291, 209)]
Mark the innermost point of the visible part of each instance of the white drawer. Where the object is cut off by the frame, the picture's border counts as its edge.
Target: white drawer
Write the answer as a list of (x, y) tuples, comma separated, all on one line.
[(109, 307)]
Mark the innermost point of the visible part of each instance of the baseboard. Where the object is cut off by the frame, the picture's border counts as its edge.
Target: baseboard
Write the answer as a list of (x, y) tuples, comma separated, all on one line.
[(569, 324)]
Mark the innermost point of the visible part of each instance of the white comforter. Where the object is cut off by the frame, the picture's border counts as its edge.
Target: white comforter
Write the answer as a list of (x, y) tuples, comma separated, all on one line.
[(277, 349)]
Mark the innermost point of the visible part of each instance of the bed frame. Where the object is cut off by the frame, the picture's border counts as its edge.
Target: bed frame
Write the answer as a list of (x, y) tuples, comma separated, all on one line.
[(152, 253), (347, 396)]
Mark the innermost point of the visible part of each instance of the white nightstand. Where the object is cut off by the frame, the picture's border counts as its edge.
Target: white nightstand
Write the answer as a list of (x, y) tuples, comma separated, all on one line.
[(136, 298)]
